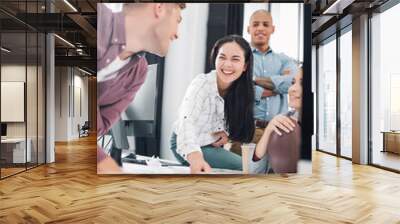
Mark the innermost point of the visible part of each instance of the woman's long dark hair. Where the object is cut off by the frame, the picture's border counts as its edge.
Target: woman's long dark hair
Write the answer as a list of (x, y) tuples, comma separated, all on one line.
[(239, 99)]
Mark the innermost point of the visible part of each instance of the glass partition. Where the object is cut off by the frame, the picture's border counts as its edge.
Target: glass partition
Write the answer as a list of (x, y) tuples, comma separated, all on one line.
[(13, 114), (22, 88), (385, 89), (346, 94), (31, 98), (41, 109), (327, 97)]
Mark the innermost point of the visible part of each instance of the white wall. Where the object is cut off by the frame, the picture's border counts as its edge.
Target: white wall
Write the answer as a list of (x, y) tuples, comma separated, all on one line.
[(80, 82), (68, 81), (17, 73), (12, 94), (185, 59), (287, 37), (61, 104)]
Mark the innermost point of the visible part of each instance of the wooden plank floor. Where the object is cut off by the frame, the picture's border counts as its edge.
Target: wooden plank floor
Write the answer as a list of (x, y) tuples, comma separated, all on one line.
[(69, 191), (10, 171), (387, 159)]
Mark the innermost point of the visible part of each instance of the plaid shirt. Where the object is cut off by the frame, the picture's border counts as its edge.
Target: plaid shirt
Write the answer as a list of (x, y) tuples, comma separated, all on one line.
[(200, 115)]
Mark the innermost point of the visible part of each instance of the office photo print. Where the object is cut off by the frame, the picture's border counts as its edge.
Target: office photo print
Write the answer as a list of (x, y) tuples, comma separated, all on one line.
[(203, 88)]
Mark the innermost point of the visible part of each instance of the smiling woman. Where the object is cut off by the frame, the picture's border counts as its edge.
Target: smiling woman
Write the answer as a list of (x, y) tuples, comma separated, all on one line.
[(278, 149), (217, 106)]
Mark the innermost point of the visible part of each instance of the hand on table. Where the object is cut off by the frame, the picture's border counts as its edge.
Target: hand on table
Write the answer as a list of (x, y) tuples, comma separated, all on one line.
[(197, 163), (222, 139), (108, 166)]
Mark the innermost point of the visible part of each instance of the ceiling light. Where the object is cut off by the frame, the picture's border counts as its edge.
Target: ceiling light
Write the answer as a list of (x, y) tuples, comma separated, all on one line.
[(338, 6), (65, 41), (70, 5), (5, 50), (86, 72)]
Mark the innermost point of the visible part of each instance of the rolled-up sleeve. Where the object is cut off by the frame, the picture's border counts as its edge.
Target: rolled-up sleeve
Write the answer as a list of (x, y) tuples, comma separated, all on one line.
[(282, 81), (258, 90), (191, 109), (108, 115), (115, 95)]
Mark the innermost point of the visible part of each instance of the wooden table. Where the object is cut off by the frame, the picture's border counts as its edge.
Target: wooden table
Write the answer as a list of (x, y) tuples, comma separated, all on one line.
[(391, 141)]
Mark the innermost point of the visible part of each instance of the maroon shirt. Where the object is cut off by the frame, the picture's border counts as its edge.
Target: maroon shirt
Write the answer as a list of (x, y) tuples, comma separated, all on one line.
[(115, 94)]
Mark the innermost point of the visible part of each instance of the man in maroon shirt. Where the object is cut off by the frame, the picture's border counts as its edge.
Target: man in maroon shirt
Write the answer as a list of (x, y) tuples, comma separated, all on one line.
[(121, 67)]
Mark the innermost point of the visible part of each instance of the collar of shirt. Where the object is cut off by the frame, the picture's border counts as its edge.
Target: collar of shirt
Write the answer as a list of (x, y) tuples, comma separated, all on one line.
[(111, 69), (212, 78), (255, 50)]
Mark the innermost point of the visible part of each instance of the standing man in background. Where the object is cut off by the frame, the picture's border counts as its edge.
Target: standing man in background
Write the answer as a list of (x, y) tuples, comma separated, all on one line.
[(122, 38), (273, 74)]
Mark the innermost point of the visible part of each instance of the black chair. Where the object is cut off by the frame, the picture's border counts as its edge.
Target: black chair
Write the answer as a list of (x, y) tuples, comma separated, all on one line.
[(84, 130)]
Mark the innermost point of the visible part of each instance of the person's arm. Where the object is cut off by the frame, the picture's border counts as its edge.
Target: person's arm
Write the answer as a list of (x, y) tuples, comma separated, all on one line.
[(268, 93), (222, 137), (187, 131), (283, 81), (197, 163), (258, 92), (265, 82), (257, 166), (108, 115), (258, 159), (261, 92), (111, 105), (280, 123), (261, 147), (105, 164)]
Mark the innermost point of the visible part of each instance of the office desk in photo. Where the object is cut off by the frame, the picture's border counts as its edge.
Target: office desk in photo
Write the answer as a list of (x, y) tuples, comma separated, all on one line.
[(304, 167), (13, 150), (173, 168)]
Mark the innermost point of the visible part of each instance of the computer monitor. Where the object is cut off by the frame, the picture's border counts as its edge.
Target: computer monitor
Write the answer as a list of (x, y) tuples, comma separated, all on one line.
[(3, 129)]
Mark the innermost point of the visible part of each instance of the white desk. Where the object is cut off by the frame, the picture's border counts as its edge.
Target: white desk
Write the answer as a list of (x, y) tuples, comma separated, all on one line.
[(18, 149), (131, 168)]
